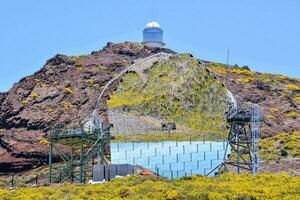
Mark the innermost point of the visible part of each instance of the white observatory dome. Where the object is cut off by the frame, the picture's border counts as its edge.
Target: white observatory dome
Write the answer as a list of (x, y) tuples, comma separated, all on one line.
[(153, 25), (153, 35)]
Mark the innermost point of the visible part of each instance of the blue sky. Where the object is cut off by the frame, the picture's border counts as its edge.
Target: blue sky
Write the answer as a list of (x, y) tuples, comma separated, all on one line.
[(264, 35)]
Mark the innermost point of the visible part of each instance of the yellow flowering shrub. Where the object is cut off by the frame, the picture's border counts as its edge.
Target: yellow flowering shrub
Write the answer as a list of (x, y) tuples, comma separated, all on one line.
[(68, 90), (218, 69), (226, 186), (297, 99), (1, 130), (50, 110), (24, 102), (43, 85), (282, 77), (292, 114), (280, 145), (292, 87), (67, 105), (35, 95), (245, 80), (44, 142), (274, 110), (242, 71), (271, 117), (90, 82)]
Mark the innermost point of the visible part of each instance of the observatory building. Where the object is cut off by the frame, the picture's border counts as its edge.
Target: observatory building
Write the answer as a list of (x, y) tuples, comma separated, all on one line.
[(153, 35)]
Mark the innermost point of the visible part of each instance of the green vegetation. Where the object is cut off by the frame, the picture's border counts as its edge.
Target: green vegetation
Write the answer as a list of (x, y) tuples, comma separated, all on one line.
[(179, 90), (228, 186), (280, 145)]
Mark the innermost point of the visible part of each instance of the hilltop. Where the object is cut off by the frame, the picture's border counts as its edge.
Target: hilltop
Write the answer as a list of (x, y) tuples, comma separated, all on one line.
[(66, 88)]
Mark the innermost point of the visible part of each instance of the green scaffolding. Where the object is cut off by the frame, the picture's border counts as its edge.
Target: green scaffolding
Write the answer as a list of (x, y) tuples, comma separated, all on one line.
[(77, 150)]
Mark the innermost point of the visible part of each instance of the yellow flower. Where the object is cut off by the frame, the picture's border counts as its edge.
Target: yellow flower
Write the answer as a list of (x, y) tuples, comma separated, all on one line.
[(245, 80), (68, 90), (67, 105), (292, 114), (297, 99), (90, 82), (50, 110), (292, 87), (35, 95), (242, 71), (44, 142), (282, 77), (24, 102)]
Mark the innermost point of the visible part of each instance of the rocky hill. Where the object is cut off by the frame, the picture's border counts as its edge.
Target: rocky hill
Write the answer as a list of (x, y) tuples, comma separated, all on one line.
[(66, 88), (63, 91)]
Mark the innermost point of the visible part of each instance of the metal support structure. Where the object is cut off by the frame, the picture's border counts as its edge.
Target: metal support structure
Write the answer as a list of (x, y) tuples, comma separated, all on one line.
[(243, 139), (79, 149), (255, 135)]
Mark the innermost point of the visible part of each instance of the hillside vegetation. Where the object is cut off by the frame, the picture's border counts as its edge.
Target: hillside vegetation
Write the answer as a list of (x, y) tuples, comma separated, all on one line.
[(178, 90), (229, 186)]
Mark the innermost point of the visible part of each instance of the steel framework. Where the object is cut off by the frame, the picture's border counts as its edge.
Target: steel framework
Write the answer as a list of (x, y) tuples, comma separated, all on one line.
[(77, 148), (243, 140)]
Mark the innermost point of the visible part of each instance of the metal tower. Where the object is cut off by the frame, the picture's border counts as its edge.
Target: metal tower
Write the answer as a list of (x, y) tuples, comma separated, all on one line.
[(243, 140), (77, 148)]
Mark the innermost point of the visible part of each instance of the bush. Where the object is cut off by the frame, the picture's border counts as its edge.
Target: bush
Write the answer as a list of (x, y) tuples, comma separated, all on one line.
[(242, 71), (217, 68), (292, 114), (274, 110), (271, 117), (292, 87), (35, 95), (282, 77), (90, 83), (44, 142), (50, 110), (283, 152), (282, 144), (68, 90), (24, 102), (67, 105), (245, 80), (297, 99)]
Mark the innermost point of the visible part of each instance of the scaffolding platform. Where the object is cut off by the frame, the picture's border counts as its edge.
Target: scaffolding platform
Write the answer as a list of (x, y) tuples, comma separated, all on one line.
[(78, 149)]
